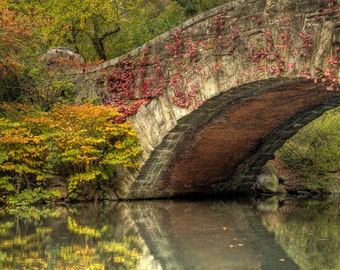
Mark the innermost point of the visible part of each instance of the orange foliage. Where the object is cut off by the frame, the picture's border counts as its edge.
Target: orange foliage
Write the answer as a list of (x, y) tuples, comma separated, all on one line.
[(17, 38)]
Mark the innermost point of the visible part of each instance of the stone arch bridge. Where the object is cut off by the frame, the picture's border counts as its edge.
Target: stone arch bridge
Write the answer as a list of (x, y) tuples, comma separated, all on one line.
[(222, 92)]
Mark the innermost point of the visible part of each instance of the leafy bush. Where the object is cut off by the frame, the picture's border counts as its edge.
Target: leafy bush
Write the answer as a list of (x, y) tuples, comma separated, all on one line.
[(80, 142), (314, 152)]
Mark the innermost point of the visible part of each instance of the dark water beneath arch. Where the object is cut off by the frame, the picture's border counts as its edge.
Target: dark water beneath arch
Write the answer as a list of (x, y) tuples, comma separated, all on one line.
[(208, 235)]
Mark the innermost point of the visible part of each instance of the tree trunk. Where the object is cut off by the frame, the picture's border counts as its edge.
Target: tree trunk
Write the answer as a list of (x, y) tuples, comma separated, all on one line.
[(98, 45)]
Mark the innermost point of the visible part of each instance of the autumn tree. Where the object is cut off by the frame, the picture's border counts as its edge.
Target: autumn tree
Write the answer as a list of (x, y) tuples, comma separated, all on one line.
[(82, 143), (19, 47), (102, 29), (77, 23)]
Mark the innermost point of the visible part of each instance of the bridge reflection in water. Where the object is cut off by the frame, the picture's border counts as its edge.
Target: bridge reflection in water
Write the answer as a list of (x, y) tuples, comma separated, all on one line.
[(157, 235)]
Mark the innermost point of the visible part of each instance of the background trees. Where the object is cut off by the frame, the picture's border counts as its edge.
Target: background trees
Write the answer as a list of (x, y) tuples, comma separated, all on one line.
[(102, 29), (20, 40), (314, 153), (152, 19)]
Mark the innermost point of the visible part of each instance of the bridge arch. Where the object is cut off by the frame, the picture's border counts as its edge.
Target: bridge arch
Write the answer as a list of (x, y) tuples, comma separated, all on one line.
[(227, 88), (221, 147)]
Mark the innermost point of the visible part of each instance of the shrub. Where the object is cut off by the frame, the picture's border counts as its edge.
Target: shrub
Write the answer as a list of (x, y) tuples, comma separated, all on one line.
[(81, 142), (314, 152)]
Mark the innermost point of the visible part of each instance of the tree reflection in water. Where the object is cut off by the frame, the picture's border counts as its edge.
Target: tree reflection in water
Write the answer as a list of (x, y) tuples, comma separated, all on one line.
[(63, 238), (309, 231), (213, 234)]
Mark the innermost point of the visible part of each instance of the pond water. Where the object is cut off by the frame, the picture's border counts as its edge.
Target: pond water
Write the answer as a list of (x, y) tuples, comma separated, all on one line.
[(174, 234)]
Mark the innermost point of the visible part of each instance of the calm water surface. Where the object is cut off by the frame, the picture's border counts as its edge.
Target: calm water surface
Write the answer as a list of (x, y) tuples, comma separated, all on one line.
[(189, 235)]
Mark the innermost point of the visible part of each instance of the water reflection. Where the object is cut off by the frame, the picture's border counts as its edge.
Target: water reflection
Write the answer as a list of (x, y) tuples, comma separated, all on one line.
[(173, 235), (308, 231)]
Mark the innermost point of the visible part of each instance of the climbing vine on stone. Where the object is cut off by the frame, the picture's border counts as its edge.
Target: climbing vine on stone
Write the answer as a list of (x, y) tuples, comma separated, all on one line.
[(285, 49)]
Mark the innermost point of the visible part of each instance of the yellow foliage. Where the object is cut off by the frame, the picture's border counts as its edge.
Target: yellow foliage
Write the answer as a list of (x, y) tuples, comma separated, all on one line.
[(72, 225), (80, 139)]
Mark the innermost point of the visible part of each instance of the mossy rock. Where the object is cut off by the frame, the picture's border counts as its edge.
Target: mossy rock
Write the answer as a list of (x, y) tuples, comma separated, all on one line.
[(269, 183)]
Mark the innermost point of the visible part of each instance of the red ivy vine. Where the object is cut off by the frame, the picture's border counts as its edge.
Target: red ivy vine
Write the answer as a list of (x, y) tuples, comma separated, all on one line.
[(134, 82)]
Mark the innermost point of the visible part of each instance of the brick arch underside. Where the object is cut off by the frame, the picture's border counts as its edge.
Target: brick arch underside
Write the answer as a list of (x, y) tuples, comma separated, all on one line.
[(224, 143)]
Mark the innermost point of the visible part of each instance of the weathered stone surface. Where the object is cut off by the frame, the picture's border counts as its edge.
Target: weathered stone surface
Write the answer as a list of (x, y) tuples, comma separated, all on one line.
[(61, 56), (260, 68)]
